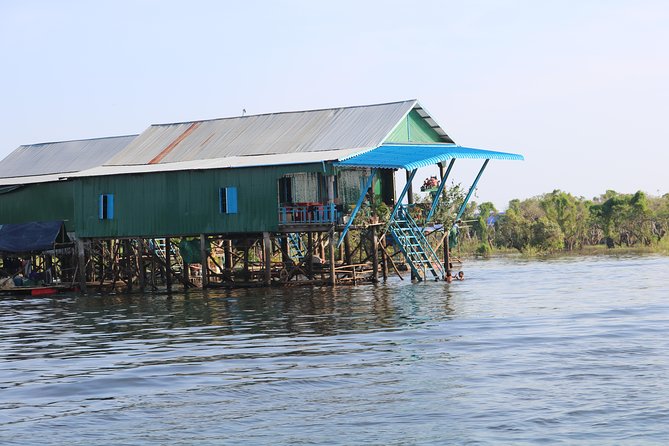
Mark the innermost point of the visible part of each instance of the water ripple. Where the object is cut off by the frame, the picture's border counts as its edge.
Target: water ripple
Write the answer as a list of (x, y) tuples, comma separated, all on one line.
[(560, 351)]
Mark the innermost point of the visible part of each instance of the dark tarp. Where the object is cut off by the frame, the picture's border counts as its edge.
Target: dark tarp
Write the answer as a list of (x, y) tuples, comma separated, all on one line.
[(29, 237), (190, 251)]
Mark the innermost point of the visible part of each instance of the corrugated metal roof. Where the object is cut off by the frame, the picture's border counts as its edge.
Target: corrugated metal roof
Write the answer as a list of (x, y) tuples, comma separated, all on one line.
[(61, 157), (15, 181), (362, 127), (413, 156), (220, 163)]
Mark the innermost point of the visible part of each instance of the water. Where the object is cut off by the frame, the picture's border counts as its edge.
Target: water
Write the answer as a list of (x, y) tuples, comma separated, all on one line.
[(562, 351)]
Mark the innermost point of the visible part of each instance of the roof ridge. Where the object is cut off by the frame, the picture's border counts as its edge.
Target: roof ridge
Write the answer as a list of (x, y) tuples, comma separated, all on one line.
[(287, 112), (78, 140)]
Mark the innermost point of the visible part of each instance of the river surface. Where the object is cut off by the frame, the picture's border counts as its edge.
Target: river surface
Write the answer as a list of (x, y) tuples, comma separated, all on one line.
[(560, 351)]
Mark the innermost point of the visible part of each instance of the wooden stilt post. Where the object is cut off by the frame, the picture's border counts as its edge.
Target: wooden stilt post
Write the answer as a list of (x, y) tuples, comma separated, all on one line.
[(247, 275), (333, 270), (48, 269), (347, 250), (129, 270), (81, 259), (227, 246), (447, 259), (267, 257), (186, 273), (168, 264), (310, 255), (375, 254), (141, 266), (153, 264), (204, 247), (384, 262)]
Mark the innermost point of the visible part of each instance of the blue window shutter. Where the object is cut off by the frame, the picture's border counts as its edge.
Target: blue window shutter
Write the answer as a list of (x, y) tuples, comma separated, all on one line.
[(231, 196), (110, 206), (101, 213)]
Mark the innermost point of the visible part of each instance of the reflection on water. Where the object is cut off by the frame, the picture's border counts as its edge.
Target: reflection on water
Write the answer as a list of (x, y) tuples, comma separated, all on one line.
[(563, 350)]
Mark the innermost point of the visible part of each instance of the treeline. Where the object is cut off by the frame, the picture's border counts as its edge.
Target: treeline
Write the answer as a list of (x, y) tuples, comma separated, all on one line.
[(560, 221)]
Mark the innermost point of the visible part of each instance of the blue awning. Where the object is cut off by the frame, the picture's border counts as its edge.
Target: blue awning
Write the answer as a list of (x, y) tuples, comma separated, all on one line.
[(413, 156), (30, 237)]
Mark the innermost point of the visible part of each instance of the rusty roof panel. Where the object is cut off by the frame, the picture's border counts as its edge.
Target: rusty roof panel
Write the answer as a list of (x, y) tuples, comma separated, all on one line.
[(362, 127)]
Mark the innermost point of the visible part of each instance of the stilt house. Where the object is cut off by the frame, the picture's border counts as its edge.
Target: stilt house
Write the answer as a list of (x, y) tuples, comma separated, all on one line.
[(292, 184)]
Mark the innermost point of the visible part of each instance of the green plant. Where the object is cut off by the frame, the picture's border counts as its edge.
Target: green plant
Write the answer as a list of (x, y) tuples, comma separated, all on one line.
[(381, 210), (483, 249)]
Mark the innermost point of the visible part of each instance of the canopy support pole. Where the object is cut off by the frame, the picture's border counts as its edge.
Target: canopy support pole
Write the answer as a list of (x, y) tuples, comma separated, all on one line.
[(365, 188), (407, 186), (440, 189), (471, 191)]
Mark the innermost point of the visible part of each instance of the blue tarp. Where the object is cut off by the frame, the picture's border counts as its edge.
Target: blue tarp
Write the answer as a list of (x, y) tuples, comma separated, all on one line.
[(29, 237)]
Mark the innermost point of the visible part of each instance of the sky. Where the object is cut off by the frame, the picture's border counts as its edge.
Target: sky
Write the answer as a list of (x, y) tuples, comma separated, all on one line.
[(580, 88)]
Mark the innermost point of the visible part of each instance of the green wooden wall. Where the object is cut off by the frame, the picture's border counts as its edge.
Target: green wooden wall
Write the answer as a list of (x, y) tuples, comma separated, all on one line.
[(413, 128), (39, 202), (182, 203), (174, 203)]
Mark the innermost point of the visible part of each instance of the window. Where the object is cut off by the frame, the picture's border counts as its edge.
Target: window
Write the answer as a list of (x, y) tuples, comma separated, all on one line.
[(228, 200), (285, 190), (106, 207)]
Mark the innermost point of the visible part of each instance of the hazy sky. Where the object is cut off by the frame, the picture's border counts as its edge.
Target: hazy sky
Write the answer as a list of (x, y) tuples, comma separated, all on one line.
[(578, 87)]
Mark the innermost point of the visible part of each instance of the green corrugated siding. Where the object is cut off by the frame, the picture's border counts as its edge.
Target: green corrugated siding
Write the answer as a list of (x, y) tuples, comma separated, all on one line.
[(182, 203), (39, 202), (413, 129)]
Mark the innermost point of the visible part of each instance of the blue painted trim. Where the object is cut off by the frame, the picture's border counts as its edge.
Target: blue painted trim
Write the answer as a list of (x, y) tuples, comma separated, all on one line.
[(110, 206), (106, 207), (231, 193), (230, 205)]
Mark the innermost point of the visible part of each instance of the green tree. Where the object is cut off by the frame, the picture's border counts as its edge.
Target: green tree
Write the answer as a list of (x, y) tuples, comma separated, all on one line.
[(513, 229), (547, 235), (569, 213)]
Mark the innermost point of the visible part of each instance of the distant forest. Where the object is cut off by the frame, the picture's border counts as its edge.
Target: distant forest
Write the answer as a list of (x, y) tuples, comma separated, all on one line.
[(559, 221)]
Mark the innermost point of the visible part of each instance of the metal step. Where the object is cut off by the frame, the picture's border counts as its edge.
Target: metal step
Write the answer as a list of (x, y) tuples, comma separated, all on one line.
[(414, 246)]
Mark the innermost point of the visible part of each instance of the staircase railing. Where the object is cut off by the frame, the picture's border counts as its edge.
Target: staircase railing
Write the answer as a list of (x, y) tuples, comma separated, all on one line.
[(414, 245)]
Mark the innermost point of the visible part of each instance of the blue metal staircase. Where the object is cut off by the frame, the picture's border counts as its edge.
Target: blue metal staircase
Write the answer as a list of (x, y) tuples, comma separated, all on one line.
[(295, 245), (417, 251)]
